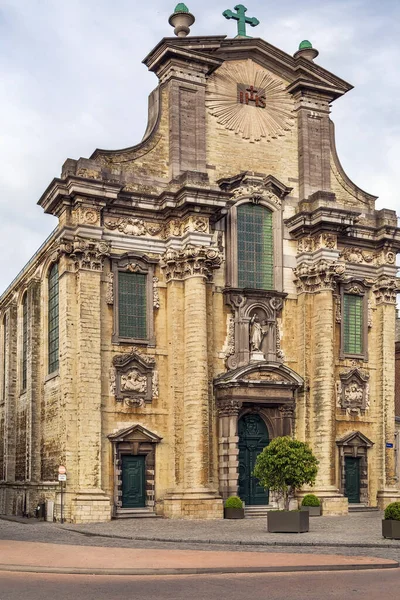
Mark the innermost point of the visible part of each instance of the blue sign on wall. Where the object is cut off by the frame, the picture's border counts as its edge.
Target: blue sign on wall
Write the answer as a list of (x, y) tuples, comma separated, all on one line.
[(389, 445)]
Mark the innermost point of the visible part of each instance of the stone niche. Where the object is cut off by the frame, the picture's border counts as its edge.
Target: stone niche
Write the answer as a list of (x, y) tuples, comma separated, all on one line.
[(255, 328), (134, 379), (353, 392)]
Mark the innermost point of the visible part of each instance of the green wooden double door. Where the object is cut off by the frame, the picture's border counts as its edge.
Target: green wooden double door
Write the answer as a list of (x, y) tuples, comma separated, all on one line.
[(253, 437), (133, 481)]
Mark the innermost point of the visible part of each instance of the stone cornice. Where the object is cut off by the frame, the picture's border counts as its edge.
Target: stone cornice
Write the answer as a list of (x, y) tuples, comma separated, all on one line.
[(191, 261)]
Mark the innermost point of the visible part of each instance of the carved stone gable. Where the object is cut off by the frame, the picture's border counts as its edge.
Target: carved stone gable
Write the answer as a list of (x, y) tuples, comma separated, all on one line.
[(134, 379)]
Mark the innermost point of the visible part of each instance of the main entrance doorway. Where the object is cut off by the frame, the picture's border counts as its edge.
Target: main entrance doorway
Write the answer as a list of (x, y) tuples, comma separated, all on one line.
[(133, 481), (352, 479), (253, 437)]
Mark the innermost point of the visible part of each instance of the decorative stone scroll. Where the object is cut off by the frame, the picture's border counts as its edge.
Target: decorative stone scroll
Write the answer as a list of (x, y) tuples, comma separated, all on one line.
[(316, 277), (256, 193), (134, 379), (386, 290), (190, 261), (353, 392), (156, 293), (310, 244), (110, 288)]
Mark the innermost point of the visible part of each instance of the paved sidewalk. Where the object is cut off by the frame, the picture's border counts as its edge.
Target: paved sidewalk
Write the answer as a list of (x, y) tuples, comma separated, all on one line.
[(53, 558), (357, 530)]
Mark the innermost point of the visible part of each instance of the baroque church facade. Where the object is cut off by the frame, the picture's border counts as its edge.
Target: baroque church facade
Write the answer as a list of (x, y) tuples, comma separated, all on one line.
[(217, 285)]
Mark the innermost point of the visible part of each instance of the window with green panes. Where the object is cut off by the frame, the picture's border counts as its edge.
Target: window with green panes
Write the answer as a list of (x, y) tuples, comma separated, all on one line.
[(353, 320), (255, 248), (53, 319), (132, 309)]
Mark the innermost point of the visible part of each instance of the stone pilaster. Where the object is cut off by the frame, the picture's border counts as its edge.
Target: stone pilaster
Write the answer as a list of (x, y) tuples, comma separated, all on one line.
[(317, 281), (385, 290), (228, 439), (83, 337), (195, 498)]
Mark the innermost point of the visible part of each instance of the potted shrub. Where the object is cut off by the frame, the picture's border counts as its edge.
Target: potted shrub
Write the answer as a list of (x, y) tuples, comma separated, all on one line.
[(391, 522), (284, 466), (311, 503), (233, 508)]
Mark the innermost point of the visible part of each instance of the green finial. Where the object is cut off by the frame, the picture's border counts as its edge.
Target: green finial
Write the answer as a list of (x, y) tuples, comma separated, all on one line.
[(305, 45), (181, 7), (240, 17)]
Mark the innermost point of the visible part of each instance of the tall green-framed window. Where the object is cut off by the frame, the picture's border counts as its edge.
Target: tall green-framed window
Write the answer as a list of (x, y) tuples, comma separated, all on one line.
[(132, 306), (24, 376), (353, 323), (255, 247), (53, 322)]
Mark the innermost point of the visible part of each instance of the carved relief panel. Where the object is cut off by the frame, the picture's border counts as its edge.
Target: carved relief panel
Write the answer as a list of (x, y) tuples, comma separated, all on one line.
[(353, 392), (134, 379)]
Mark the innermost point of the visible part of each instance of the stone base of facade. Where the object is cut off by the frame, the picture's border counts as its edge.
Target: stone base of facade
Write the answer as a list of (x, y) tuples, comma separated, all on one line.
[(386, 496), (21, 499), (193, 505), (90, 506), (333, 503)]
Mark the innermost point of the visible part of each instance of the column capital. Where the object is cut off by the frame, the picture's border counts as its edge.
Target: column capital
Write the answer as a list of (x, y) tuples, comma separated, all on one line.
[(87, 254), (228, 407), (386, 290), (318, 276), (191, 261)]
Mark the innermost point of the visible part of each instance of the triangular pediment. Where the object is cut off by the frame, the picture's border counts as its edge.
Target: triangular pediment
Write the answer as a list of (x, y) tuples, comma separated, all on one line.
[(135, 433), (355, 438)]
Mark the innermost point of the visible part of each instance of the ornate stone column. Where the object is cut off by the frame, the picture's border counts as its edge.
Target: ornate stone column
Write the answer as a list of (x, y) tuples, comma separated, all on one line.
[(228, 451), (194, 265), (318, 279), (81, 328), (385, 290)]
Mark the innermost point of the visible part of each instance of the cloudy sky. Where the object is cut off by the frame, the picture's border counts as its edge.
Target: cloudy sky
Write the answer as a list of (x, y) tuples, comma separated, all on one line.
[(72, 80)]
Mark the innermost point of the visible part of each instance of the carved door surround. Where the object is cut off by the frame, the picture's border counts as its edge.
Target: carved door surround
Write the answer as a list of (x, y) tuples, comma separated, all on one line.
[(134, 441), (266, 389), (355, 445), (266, 306)]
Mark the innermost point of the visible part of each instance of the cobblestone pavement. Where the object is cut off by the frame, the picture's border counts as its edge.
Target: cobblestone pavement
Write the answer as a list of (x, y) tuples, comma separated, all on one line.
[(358, 534)]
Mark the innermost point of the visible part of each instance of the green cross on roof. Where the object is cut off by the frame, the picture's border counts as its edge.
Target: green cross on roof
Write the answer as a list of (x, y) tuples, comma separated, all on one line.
[(240, 17)]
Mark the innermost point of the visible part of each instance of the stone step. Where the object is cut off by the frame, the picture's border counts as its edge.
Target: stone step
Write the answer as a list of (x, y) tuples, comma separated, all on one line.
[(136, 513), (257, 512), (362, 508)]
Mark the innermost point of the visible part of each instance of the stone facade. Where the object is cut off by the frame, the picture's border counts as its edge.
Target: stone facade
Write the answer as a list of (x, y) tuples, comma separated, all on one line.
[(167, 209)]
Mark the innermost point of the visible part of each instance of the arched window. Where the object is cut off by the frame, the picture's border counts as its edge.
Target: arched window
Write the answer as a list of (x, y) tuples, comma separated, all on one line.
[(24, 375), (255, 247), (53, 320)]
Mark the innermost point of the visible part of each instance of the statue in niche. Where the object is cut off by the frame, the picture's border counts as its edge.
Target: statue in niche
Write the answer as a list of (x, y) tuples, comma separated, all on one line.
[(257, 334)]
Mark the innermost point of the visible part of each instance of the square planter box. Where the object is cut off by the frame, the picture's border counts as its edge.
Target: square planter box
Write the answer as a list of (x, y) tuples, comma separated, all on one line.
[(313, 511), (233, 513), (295, 521), (391, 529)]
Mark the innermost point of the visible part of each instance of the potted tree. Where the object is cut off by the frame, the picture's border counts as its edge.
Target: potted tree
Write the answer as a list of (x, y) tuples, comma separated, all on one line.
[(391, 522), (312, 504), (284, 466), (233, 508)]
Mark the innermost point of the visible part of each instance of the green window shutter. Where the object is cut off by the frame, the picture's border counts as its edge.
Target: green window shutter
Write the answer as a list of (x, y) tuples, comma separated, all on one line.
[(24, 341), (132, 309), (53, 322), (255, 248), (353, 321)]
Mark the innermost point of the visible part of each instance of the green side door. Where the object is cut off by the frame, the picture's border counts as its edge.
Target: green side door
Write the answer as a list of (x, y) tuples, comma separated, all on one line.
[(133, 482)]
